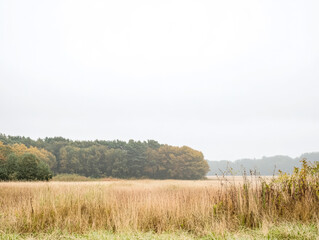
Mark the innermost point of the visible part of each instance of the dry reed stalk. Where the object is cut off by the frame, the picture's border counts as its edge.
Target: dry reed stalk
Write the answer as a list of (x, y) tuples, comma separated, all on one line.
[(147, 205)]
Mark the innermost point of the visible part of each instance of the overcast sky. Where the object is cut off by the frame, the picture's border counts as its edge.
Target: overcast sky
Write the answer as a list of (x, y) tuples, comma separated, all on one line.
[(230, 78)]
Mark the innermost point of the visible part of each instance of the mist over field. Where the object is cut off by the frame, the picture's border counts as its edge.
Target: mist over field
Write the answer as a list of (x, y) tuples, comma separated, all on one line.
[(231, 79), (116, 117), (265, 166)]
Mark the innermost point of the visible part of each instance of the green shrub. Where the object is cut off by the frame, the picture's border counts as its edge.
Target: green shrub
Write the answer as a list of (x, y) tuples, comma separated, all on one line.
[(26, 167), (304, 180)]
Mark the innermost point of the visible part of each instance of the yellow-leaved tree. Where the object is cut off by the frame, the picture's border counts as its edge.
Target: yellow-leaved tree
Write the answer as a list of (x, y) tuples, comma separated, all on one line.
[(42, 154)]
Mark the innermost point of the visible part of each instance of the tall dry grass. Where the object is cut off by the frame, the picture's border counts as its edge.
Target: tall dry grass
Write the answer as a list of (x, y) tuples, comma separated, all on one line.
[(150, 205)]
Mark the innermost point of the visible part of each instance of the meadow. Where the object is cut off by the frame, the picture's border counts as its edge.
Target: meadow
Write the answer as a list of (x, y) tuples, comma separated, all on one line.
[(223, 208)]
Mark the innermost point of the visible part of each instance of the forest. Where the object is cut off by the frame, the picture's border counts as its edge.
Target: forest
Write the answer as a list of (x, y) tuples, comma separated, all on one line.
[(118, 159)]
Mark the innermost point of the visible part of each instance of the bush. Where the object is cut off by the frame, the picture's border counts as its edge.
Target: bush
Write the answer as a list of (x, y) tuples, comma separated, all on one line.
[(302, 182), (26, 167)]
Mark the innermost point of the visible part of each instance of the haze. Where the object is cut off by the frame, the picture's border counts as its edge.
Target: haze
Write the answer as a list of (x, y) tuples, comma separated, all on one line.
[(232, 79)]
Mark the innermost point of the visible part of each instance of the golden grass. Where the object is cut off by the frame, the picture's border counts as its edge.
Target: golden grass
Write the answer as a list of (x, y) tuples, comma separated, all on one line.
[(198, 207)]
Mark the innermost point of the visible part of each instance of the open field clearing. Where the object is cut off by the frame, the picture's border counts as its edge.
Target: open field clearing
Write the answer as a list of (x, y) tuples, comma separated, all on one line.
[(150, 209)]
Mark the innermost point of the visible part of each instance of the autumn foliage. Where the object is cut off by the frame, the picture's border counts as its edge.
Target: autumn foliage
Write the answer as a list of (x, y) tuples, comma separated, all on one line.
[(18, 162), (118, 159)]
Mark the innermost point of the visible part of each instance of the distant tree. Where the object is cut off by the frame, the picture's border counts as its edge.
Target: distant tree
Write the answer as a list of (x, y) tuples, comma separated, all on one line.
[(43, 171), (132, 159), (136, 158), (153, 144), (5, 151), (18, 162), (12, 167), (180, 163), (120, 167), (42, 154), (27, 167)]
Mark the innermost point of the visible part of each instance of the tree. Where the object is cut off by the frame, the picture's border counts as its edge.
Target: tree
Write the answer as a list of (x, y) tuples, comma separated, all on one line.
[(132, 159), (136, 158), (43, 171), (27, 167), (180, 163)]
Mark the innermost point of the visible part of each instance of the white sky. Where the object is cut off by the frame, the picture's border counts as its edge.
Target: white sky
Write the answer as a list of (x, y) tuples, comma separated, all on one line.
[(231, 78)]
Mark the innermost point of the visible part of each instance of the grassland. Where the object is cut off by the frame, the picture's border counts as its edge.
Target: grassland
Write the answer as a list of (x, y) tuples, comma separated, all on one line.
[(281, 231), (156, 209)]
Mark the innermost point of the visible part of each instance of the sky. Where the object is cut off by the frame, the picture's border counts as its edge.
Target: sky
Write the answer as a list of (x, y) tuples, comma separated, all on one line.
[(233, 79)]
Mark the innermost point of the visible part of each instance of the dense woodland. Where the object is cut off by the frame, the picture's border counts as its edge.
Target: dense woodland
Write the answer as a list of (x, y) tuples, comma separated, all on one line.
[(120, 159)]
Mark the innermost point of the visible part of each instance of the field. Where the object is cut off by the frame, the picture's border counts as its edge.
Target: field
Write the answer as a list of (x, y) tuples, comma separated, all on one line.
[(230, 208)]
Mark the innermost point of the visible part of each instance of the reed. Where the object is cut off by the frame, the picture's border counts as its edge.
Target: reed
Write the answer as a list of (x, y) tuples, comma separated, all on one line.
[(197, 207)]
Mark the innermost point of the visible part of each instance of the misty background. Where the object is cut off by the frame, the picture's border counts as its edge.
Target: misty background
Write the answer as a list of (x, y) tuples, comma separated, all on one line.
[(232, 79)]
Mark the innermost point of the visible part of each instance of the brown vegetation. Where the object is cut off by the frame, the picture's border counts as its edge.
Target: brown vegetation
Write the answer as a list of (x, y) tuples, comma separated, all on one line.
[(153, 205)]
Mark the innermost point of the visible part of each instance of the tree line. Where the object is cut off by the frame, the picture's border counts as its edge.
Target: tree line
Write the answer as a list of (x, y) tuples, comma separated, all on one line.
[(263, 166), (120, 159)]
